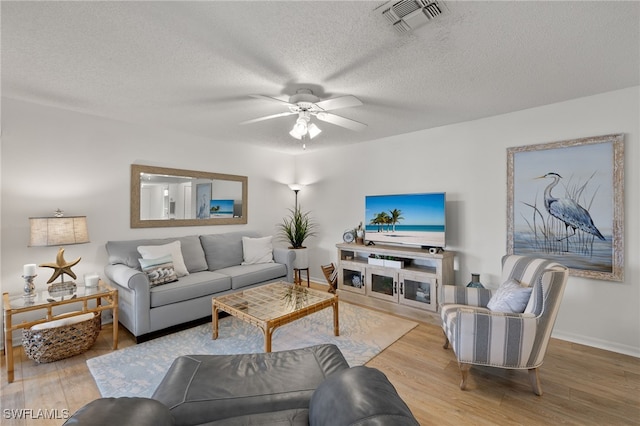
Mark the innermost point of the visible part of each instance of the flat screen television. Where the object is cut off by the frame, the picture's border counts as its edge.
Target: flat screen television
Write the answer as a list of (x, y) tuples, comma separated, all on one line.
[(412, 219)]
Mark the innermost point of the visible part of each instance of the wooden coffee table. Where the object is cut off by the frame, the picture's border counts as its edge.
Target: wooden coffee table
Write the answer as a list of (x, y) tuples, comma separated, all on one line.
[(272, 305)]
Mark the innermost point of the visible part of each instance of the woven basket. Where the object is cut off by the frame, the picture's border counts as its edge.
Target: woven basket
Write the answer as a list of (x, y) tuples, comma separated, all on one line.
[(53, 344)]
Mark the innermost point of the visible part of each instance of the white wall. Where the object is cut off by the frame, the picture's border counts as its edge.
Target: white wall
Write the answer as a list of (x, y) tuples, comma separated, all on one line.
[(59, 159), (53, 158), (468, 161)]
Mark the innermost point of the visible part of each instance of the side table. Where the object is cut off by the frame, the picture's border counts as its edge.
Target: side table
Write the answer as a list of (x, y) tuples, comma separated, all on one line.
[(297, 279), (43, 300)]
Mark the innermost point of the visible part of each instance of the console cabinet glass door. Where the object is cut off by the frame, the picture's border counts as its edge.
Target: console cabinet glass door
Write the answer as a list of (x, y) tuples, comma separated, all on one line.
[(351, 278), (417, 290), (382, 283)]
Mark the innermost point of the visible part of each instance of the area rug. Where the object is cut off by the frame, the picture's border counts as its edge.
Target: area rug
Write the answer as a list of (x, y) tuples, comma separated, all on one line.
[(137, 370)]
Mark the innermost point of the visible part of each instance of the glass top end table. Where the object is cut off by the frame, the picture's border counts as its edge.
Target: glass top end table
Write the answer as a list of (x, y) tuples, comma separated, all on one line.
[(105, 297)]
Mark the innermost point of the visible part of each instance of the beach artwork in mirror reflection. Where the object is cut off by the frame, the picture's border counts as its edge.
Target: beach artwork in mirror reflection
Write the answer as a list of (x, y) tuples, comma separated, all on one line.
[(221, 208)]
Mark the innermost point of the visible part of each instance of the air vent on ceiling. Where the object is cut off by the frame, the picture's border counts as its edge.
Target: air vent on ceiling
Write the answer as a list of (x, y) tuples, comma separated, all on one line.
[(406, 15)]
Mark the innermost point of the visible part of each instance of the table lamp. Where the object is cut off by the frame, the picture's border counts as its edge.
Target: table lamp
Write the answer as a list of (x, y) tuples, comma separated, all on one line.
[(57, 231)]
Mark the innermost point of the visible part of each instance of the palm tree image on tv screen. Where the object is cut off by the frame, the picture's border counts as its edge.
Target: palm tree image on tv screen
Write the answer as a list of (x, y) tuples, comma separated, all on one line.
[(413, 219)]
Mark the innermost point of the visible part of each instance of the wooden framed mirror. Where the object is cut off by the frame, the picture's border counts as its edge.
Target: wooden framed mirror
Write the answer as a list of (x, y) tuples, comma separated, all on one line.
[(164, 197)]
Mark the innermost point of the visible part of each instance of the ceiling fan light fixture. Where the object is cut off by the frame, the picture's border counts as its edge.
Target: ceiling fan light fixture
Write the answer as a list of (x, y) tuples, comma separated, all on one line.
[(306, 105), (301, 123), (295, 134), (313, 130), (300, 128)]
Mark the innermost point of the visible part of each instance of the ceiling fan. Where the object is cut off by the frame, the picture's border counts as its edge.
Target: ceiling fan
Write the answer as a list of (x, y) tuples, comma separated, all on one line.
[(305, 104)]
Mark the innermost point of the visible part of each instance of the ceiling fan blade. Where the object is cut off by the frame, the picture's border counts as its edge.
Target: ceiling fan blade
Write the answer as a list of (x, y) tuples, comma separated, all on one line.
[(270, 98), (341, 121), (268, 117), (340, 102)]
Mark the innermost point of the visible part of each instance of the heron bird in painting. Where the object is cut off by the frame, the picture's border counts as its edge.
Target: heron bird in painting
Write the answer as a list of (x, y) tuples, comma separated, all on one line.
[(572, 214)]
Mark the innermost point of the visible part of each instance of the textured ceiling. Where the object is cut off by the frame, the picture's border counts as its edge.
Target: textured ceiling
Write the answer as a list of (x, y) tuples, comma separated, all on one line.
[(192, 66)]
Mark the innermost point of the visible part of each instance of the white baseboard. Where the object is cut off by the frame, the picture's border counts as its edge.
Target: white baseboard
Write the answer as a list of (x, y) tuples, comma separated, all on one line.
[(320, 280), (598, 343)]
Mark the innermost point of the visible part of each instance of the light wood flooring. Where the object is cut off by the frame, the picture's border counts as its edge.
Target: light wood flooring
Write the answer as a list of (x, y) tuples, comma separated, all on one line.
[(582, 385)]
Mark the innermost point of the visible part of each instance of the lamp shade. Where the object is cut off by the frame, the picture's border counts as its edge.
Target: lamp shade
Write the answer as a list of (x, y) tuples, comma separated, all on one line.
[(313, 131), (56, 231), (304, 127)]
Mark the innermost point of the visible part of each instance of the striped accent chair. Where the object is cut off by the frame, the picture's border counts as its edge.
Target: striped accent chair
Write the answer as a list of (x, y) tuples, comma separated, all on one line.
[(480, 336)]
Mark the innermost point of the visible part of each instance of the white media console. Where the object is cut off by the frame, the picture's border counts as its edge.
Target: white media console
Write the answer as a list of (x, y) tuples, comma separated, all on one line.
[(398, 279)]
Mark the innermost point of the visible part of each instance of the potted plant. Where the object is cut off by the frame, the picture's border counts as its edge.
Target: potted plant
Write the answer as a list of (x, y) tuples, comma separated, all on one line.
[(295, 229)]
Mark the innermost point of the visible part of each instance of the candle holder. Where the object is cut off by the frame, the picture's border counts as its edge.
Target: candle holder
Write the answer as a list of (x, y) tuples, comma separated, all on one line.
[(29, 287)]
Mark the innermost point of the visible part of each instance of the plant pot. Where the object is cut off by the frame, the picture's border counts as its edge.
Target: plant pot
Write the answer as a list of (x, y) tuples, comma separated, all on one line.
[(302, 258)]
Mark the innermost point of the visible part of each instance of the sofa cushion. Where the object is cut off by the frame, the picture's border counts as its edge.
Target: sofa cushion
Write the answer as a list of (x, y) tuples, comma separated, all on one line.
[(190, 287), (358, 396), (193, 254), (126, 252), (159, 270), (224, 250), (173, 249), (257, 250), (245, 275), (206, 388)]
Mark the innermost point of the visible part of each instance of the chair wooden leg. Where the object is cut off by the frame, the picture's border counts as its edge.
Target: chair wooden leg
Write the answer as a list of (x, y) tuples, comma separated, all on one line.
[(535, 381), (446, 340), (464, 372)]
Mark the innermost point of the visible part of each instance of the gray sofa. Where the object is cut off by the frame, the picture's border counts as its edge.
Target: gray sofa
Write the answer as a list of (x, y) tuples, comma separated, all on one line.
[(308, 386), (214, 265)]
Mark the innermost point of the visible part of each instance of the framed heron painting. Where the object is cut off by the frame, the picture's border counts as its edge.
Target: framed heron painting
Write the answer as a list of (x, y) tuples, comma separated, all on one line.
[(565, 201)]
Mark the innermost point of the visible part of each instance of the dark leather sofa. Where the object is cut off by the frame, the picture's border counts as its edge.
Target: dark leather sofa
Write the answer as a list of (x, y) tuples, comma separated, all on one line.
[(309, 386)]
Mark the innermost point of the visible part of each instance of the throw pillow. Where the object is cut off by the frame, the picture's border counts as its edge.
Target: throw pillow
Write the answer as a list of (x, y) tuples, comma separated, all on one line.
[(257, 250), (160, 270), (510, 297), (174, 249)]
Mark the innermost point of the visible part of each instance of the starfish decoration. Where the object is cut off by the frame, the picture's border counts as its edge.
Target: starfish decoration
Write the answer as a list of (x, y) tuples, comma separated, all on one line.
[(61, 267)]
